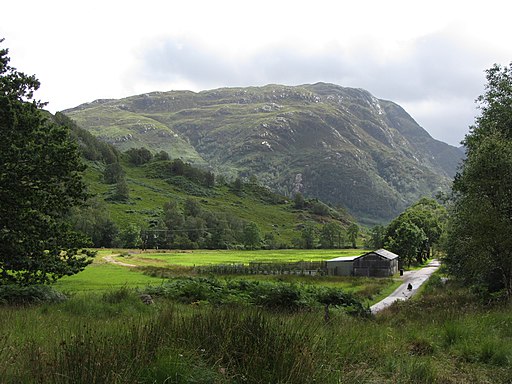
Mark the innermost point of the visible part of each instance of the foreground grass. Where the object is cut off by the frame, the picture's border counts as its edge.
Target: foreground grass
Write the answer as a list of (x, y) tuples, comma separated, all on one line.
[(444, 337)]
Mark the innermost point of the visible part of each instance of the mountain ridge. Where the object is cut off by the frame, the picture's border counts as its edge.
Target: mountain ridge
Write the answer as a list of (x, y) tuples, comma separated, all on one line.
[(342, 145)]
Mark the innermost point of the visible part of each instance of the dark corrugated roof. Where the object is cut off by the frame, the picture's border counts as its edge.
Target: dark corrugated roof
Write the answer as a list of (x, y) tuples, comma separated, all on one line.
[(385, 253)]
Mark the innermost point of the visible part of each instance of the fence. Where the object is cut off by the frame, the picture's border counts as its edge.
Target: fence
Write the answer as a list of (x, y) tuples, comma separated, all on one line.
[(302, 268)]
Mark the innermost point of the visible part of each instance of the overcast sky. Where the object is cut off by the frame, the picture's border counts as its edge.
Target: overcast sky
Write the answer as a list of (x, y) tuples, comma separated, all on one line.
[(428, 56)]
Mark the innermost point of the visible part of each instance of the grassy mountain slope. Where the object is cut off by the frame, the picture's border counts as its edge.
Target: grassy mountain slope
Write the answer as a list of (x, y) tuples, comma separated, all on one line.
[(272, 213), (151, 185), (341, 145)]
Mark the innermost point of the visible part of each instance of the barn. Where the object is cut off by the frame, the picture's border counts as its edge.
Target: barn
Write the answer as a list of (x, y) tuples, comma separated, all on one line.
[(341, 266), (379, 263)]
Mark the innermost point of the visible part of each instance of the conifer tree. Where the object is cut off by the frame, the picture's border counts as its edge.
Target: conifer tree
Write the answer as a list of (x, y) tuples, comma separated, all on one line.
[(40, 181)]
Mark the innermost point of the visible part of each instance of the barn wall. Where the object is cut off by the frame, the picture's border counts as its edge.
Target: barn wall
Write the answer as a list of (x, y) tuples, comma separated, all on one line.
[(340, 268), (375, 265)]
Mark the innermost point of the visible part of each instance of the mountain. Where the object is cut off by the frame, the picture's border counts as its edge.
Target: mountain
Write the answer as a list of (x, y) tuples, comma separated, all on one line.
[(341, 145), (179, 206)]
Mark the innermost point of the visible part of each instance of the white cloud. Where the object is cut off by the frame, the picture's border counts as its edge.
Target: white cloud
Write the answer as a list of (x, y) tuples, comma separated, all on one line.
[(428, 56)]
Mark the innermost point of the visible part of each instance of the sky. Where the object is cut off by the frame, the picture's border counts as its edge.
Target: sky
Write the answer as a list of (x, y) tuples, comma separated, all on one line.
[(428, 56)]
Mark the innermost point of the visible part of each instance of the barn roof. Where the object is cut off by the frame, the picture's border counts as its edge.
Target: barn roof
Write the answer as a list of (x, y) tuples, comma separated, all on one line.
[(385, 253), (344, 258), (381, 252)]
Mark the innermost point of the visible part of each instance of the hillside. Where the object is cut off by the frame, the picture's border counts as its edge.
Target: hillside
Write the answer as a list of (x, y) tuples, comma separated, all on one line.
[(222, 209), (341, 145)]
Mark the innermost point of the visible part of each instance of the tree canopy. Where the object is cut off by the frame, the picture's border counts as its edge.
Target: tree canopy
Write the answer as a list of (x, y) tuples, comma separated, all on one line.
[(479, 243), (40, 180), (412, 234)]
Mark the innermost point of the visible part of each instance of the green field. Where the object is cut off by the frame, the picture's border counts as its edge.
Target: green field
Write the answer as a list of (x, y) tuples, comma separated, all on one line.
[(103, 276), (206, 257)]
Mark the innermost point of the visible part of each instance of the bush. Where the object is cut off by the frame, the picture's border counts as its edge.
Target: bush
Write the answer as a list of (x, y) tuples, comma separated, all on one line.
[(32, 294), (271, 295), (277, 296)]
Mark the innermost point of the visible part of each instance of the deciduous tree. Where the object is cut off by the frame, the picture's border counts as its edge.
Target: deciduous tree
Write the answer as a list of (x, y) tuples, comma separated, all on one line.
[(352, 233), (406, 241), (331, 235), (479, 244), (308, 235), (251, 236), (428, 216)]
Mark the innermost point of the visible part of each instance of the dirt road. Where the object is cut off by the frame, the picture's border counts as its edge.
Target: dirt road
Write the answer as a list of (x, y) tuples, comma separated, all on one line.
[(110, 259), (415, 278)]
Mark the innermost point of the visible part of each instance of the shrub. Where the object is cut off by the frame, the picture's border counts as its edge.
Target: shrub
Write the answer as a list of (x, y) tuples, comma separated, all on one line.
[(277, 296), (32, 294)]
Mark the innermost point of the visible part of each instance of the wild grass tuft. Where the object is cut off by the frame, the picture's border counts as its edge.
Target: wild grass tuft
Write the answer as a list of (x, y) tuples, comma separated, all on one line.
[(452, 333)]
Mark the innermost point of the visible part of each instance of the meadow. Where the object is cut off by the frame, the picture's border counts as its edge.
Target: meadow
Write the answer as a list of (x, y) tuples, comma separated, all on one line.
[(153, 267), (104, 333), (206, 257), (446, 336)]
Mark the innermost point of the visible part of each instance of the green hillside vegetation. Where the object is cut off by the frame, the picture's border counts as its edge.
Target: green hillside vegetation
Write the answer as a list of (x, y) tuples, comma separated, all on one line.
[(340, 145), (141, 199)]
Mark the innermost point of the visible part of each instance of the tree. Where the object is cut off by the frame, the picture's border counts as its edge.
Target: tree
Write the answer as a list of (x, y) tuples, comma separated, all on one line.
[(113, 173), (209, 179), (407, 241), (298, 201), (40, 181), (172, 219), (251, 236), (218, 235), (130, 236), (429, 216), (352, 233), (270, 241), (331, 235), (308, 235), (178, 167), (121, 192), (479, 245), (162, 156), (377, 237), (191, 207), (139, 156), (238, 186), (195, 228), (93, 220)]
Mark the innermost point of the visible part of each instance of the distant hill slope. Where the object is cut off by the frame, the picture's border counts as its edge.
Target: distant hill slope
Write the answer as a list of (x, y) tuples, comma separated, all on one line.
[(339, 144), (222, 209)]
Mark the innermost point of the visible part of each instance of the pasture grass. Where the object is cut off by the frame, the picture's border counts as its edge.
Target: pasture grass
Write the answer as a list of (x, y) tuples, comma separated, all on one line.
[(206, 257), (447, 336), (101, 277)]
